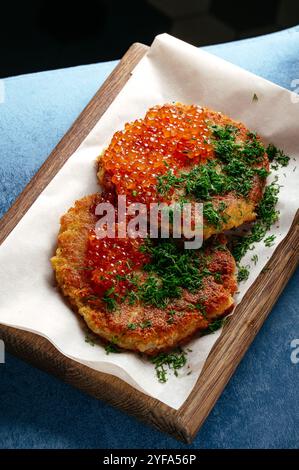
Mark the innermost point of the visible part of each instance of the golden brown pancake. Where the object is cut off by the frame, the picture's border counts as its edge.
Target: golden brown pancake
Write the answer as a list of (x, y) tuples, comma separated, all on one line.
[(139, 295), (175, 154)]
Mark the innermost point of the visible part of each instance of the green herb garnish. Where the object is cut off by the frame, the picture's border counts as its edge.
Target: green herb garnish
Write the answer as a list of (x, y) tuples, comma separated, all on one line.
[(164, 362), (233, 171), (269, 241), (89, 340), (214, 326), (112, 348), (214, 216), (218, 277), (277, 157), (243, 273), (146, 324), (109, 298), (170, 270), (267, 215), (201, 308)]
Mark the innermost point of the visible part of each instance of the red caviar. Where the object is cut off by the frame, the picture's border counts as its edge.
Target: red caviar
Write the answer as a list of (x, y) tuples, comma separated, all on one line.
[(169, 137), (111, 260)]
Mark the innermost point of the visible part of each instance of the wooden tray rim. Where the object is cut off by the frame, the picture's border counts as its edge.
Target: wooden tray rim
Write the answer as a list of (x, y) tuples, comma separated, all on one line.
[(235, 339)]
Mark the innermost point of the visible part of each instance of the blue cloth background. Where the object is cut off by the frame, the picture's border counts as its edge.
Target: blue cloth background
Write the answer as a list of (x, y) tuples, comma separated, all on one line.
[(260, 405)]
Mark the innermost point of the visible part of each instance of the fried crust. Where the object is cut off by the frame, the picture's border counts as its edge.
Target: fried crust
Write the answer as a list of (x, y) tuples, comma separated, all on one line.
[(215, 298), (238, 210)]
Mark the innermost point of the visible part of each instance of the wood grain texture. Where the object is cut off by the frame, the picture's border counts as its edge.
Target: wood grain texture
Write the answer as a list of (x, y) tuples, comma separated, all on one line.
[(240, 331), (227, 352)]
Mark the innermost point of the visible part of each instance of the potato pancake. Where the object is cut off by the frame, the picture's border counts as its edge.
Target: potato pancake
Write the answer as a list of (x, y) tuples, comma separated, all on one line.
[(186, 153), (142, 295)]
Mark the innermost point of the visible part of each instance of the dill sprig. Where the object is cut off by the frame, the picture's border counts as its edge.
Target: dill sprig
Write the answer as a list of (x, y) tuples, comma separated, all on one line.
[(243, 273), (214, 215), (214, 326), (233, 171), (277, 156), (112, 348), (110, 299), (89, 340), (164, 362), (267, 216), (269, 241), (170, 270)]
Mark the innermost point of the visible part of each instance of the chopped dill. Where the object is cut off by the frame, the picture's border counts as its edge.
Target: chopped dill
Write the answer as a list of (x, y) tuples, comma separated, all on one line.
[(89, 340), (277, 157), (201, 308), (253, 149), (170, 270), (267, 215), (167, 182), (269, 241), (218, 278), (153, 291), (233, 170), (204, 181), (171, 319), (224, 133), (243, 273), (146, 324), (266, 210), (112, 348), (164, 362), (110, 301), (254, 259), (214, 326), (212, 215), (262, 172), (255, 97)]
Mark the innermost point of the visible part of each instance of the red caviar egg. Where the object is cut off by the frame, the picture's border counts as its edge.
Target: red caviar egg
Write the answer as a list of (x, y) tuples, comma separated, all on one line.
[(110, 260), (172, 136)]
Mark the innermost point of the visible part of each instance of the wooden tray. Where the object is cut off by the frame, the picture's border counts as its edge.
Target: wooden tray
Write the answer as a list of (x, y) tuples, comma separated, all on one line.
[(227, 352)]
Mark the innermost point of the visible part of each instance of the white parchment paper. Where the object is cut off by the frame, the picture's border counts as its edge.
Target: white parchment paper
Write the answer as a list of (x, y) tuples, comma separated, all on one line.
[(171, 71)]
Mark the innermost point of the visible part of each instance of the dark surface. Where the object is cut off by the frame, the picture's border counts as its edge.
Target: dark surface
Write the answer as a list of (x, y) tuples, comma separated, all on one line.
[(245, 16), (45, 35)]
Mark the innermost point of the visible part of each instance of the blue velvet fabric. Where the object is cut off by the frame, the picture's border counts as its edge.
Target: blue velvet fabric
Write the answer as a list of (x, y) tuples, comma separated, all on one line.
[(260, 405)]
